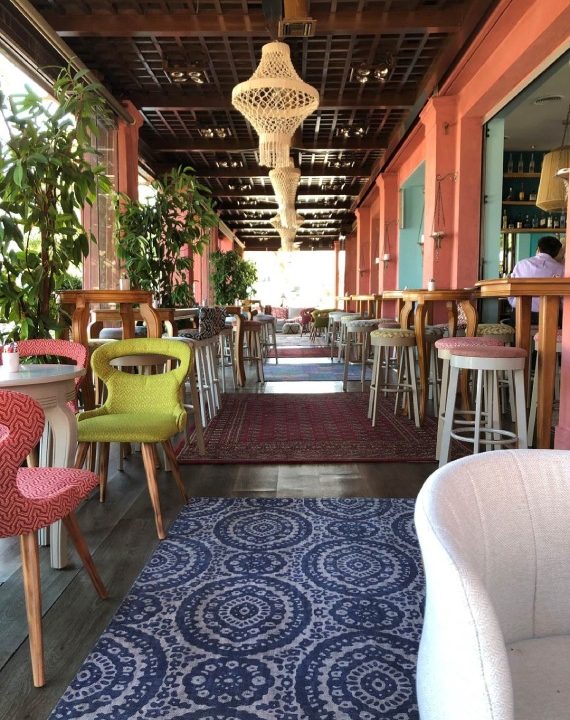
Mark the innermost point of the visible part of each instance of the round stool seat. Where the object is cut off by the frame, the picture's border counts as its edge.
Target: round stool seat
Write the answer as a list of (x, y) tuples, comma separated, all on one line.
[(484, 329), (337, 314), (117, 333), (388, 323), (349, 318), (392, 334), (263, 317), (445, 345), (361, 325), (490, 351)]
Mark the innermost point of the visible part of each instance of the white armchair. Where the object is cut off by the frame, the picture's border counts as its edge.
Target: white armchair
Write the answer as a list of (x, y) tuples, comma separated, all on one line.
[(494, 531)]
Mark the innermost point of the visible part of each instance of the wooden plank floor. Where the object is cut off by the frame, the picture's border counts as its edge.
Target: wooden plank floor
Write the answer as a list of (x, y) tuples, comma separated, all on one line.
[(121, 535)]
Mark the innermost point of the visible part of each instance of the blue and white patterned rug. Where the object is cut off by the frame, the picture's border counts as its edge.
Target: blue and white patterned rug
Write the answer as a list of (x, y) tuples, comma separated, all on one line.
[(258, 609)]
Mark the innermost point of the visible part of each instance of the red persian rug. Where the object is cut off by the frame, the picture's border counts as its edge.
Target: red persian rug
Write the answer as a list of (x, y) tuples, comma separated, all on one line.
[(319, 428)]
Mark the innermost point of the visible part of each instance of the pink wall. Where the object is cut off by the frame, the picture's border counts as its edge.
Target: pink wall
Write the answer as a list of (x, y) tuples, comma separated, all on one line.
[(520, 39)]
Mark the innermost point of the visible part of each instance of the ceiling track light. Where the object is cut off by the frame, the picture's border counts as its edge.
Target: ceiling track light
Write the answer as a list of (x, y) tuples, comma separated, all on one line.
[(377, 72)]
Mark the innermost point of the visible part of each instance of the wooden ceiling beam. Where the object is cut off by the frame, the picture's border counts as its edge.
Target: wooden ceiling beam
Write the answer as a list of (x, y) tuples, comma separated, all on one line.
[(197, 101), (259, 172), (189, 145), (254, 24)]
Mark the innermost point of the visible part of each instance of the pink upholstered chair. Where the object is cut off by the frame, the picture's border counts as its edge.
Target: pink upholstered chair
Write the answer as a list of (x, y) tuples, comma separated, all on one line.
[(30, 499), (57, 348)]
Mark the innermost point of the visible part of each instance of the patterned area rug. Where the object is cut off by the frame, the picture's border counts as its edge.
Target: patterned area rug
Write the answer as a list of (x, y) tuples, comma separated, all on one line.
[(265, 609), (319, 351), (317, 371), (304, 428)]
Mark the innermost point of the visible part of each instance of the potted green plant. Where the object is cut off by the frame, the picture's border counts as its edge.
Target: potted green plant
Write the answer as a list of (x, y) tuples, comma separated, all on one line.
[(152, 235), (232, 277), (46, 178)]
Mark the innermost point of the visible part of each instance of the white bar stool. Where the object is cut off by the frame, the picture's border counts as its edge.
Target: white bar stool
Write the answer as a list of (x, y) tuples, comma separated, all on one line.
[(333, 329), (487, 362), (443, 347), (226, 352), (384, 341), (268, 334)]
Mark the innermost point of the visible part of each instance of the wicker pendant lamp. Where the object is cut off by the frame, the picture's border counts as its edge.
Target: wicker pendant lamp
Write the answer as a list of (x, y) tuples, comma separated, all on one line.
[(552, 195), (285, 181), (275, 100)]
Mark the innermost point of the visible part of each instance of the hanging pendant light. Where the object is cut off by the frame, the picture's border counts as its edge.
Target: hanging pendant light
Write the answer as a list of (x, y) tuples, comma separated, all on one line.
[(285, 181), (275, 100), (552, 194)]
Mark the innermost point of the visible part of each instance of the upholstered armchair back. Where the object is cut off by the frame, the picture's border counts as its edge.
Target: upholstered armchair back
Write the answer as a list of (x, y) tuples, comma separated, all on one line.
[(493, 530)]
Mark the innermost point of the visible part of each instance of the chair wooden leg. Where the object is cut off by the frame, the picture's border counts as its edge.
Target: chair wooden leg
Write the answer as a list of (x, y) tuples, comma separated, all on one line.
[(103, 469), (149, 459), (33, 594), (81, 454), (70, 522), (170, 454)]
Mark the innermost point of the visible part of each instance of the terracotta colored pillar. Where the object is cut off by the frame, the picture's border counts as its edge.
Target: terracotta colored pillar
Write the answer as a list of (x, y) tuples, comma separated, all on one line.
[(351, 264), (128, 153), (467, 213), (439, 118), (387, 184), (362, 250)]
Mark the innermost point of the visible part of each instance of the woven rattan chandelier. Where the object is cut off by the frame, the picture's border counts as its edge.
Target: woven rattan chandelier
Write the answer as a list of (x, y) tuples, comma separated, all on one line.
[(286, 234), (275, 101), (285, 181)]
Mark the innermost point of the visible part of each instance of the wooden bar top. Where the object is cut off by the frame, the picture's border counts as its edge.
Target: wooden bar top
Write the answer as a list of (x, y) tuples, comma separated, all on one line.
[(523, 287)]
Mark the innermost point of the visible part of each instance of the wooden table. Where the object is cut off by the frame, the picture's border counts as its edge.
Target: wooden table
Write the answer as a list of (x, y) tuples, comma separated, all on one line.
[(170, 317), (77, 304), (549, 291), (419, 302), (52, 386)]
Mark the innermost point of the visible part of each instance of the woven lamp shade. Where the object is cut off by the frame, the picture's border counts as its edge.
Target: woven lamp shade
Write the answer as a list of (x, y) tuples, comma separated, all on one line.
[(277, 222), (285, 181), (275, 100), (552, 194)]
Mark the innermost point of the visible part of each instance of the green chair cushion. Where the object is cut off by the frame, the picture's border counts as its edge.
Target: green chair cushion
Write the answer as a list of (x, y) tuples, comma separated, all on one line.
[(140, 427)]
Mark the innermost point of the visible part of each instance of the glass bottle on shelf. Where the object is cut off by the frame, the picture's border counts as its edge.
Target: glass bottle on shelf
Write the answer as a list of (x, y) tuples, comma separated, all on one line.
[(534, 221), (510, 165), (505, 222), (510, 195), (556, 221), (542, 220), (526, 223), (531, 164), (563, 220), (520, 166), (549, 221), (521, 193)]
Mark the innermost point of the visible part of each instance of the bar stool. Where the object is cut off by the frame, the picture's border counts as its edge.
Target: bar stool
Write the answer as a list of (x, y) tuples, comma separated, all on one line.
[(443, 347), (358, 337), (384, 341), (534, 395), (505, 333), (252, 346), (486, 361), (433, 333), (268, 334), (205, 351), (342, 325), (334, 327), (226, 352)]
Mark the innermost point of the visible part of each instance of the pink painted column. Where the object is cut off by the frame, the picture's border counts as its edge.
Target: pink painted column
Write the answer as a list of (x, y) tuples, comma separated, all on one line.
[(387, 184), (562, 435), (467, 211), (128, 153), (362, 250), (439, 118)]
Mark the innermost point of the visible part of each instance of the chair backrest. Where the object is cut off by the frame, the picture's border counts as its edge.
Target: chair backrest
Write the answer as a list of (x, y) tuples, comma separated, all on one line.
[(493, 530), (211, 320), (21, 426), (130, 393)]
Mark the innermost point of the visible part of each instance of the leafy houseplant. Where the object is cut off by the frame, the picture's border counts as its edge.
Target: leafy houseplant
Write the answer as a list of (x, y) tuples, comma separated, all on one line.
[(232, 277), (152, 235), (45, 181)]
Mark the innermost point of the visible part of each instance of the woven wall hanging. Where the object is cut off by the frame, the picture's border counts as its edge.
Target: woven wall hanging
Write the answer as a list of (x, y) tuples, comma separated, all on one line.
[(275, 100)]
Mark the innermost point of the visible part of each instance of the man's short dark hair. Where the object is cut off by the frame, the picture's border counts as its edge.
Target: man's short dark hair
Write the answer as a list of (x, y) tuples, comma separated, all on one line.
[(550, 245)]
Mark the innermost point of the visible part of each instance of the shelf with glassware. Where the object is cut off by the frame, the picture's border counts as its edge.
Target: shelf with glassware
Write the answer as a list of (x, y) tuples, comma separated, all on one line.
[(520, 186)]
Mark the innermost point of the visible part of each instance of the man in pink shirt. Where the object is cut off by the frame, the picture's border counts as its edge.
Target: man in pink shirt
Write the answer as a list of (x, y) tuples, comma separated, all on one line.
[(542, 265)]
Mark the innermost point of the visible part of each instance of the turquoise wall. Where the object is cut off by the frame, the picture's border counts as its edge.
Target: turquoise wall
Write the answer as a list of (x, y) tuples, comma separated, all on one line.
[(410, 255)]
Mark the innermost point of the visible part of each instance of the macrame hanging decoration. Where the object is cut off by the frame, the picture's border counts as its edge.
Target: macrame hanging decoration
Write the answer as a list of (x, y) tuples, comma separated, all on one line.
[(275, 100), (285, 181), (287, 235)]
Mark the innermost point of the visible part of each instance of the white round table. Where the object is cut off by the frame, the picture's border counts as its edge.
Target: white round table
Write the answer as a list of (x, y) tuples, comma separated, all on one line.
[(53, 386)]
